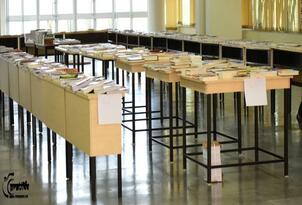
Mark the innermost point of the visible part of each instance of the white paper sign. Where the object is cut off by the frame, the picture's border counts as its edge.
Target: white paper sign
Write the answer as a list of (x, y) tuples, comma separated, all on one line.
[(110, 109), (255, 92)]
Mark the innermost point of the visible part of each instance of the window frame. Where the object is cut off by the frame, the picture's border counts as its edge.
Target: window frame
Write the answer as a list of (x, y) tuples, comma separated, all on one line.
[(73, 17)]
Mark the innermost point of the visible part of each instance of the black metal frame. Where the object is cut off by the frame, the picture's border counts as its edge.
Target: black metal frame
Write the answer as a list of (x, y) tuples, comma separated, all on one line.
[(239, 149)]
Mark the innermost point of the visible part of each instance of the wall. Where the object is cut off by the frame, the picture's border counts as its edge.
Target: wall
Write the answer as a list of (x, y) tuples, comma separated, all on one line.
[(2, 17), (248, 34), (223, 18)]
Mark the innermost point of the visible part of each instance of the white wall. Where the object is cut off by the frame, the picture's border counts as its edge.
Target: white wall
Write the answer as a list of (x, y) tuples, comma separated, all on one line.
[(223, 18), (2, 17)]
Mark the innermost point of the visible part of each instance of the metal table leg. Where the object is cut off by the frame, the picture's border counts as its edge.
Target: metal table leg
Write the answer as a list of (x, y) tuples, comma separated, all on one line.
[(68, 149), (133, 108), (239, 130), (184, 117), (119, 175), (92, 171), (34, 130), (256, 110), (171, 120), (209, 139), (11, 111), (48, 146), (196, 101)]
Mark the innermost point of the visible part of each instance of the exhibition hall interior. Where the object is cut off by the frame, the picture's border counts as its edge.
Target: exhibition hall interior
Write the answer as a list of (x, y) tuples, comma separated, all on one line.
[(148, 102)]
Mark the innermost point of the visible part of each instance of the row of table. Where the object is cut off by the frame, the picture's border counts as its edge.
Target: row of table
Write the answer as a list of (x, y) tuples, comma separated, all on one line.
[(72, 115)]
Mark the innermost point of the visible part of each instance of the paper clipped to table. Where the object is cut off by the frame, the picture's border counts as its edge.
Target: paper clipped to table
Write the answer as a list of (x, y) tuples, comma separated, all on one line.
[(109, 109), (255, 92)]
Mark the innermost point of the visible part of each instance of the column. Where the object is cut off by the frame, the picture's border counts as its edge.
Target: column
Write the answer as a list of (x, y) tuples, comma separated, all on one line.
[(200, 17), (156, 15)]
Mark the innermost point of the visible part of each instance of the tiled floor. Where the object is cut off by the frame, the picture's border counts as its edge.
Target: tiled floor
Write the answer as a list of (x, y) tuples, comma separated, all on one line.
[(149, 178)]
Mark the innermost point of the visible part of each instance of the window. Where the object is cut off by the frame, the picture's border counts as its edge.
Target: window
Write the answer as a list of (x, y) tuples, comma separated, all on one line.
[(65, 25), (30, 7), (103, 23), (65, 6), (69, 15), (139, 5), (47, 7), (186, 12), (103, 6), (122, 5), (179, 13), (123, 23), (84, 6), (15, 27), (271, 15), (84, 24), (140, 24), (14, 7), (29, 25)]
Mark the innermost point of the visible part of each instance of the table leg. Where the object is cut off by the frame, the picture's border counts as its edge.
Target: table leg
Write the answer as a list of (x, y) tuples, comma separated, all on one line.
[(184, 117), (21, 117), (239, 130), (117, 76), (286, 128), (28, 117), (119, 175), (11, 111), (149, 111), (46, 52), (68, 150), (133, 108), (92, 171), (161, 103), (54, 139), (40, 126), (48, 146), (93, 66), (209, 138), (82, 63), (74, 60), (176, 104), (215, 117), (196, 101), (34, 130), (171, 120), (256, 110)]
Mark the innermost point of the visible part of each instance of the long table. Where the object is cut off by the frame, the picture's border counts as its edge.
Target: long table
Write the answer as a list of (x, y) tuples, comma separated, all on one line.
[(73, 115)]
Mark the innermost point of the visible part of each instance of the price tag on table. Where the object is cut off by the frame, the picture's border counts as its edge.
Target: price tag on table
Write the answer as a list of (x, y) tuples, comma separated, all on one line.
[(255, 92), (110, 109)]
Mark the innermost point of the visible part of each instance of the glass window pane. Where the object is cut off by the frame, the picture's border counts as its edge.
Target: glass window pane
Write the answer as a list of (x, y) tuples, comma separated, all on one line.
[(65, 25), (65, 6), (84, 24), (122, 5), (47, 7), (29, 25), (15, 28), (30, 7), (123, 23), (103, 24), (50, 24), (186, 12), (140, 24), (103, 6), (84, 6), (14, 8), (140, 5)]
